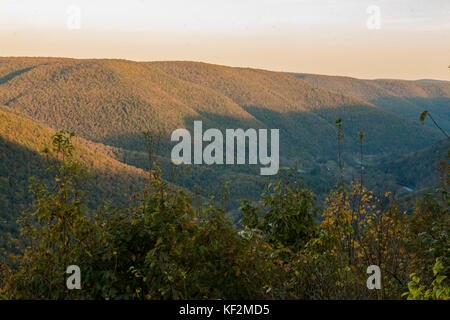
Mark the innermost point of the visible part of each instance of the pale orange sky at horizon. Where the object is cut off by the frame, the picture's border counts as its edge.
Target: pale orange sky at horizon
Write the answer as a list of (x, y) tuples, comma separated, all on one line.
[(365, 39)]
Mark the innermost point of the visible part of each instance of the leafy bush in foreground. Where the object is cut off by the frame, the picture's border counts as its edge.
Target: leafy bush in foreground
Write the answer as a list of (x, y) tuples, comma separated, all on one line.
[(162, 246)]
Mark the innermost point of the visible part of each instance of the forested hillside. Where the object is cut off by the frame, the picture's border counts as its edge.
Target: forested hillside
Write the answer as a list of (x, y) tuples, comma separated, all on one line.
[(22, 141), (305, 113), (416, 170), (403, 98), (113, 101)]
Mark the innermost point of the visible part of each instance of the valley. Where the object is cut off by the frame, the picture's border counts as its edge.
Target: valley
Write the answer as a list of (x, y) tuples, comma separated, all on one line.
[(110, 103)]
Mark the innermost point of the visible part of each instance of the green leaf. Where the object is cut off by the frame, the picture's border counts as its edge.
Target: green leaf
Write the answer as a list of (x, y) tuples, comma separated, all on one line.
[(423, 116), (438, 266), (441, 278)]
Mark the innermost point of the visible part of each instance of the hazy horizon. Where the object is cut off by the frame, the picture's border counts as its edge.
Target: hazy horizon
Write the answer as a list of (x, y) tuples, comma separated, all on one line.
[(397, 39)]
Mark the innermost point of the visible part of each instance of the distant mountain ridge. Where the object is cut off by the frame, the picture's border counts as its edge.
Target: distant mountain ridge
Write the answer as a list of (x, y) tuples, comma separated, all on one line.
[(433, 80)]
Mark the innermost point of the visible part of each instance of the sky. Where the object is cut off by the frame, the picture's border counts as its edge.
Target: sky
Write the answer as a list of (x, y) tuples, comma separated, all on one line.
[(403, 39)]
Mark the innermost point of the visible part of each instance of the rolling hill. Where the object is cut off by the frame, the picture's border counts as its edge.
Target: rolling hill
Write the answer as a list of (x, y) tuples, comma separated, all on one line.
[(113, 101), (403, 98), (21, 142)]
